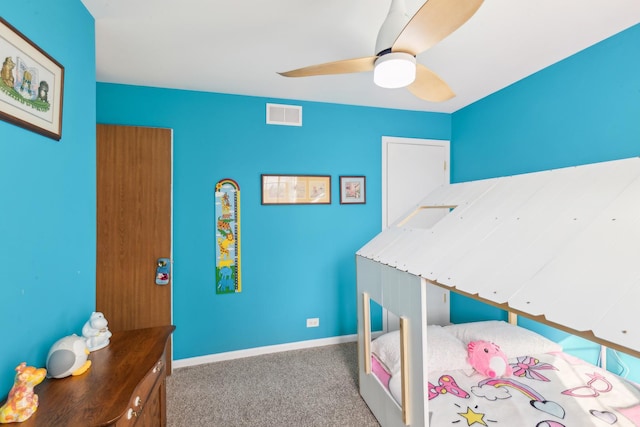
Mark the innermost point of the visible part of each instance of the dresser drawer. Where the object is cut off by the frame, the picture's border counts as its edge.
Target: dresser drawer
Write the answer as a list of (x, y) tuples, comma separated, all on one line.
[(144, 400)]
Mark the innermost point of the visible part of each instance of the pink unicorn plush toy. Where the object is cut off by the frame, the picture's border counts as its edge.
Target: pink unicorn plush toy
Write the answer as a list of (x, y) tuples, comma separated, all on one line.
[(487, 358)]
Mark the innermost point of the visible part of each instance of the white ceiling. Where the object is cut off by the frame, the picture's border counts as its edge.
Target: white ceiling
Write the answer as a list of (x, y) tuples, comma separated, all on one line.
[(238, 46)]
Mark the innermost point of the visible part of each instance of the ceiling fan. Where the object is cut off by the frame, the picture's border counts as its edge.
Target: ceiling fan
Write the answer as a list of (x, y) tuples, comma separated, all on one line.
[(397, 45)]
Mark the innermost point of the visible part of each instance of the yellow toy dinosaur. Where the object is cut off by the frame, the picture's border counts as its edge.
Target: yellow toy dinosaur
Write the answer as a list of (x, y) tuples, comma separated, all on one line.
[(22, 402)]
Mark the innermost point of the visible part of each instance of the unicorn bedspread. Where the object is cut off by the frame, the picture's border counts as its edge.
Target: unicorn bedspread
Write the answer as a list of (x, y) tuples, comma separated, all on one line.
[(545, 390)]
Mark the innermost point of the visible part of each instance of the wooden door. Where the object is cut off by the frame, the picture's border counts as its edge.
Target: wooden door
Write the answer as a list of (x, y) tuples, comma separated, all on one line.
[(133, 225)]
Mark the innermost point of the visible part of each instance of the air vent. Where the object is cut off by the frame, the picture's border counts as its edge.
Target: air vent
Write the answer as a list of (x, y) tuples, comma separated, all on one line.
[(287, 115)]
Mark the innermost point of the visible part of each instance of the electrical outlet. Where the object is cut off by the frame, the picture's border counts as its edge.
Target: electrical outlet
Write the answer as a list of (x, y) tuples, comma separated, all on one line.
[(313, 322)]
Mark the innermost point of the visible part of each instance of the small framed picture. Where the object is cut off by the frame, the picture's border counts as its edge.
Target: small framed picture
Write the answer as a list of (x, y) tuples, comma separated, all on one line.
[(353, 189)]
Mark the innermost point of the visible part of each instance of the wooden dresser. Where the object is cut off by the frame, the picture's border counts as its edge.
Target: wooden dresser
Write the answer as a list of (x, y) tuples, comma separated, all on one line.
[(125, 386)]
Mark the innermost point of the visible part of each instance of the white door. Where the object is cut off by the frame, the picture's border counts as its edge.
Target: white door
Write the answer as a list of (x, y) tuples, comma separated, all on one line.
[(411, 169)]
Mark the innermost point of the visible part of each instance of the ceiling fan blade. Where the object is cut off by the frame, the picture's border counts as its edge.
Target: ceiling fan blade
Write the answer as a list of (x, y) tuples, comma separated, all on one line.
[(429, 86), (355, 65), (434, 21)]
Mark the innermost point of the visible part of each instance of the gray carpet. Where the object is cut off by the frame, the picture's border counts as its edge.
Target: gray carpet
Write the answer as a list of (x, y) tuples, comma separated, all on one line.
[(316, 387)]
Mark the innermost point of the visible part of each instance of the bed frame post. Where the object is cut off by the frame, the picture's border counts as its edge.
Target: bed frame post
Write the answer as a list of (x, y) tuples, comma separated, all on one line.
[(404, 364), (366, 323)]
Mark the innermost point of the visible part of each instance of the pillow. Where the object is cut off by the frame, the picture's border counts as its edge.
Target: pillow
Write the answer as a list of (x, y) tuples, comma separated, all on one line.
[(444, 351), (514, 340), (386, 349)]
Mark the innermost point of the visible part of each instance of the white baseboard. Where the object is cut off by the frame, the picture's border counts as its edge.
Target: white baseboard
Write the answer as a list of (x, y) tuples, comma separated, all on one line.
[(239, 354)]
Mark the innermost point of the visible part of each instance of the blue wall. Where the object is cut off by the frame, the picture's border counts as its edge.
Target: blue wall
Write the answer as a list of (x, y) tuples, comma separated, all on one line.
[(297, 261), (582, 110), (47, 205)]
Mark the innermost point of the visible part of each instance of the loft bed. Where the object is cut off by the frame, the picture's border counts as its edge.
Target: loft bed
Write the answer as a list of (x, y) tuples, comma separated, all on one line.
[(560, 247)]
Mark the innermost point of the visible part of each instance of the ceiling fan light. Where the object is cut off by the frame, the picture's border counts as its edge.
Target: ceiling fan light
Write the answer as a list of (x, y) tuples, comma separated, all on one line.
[(394, 70)]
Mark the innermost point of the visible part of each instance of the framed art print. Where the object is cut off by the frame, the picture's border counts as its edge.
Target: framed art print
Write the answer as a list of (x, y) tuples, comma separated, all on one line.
[(31, 84), (353, 190), (296, 189)]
